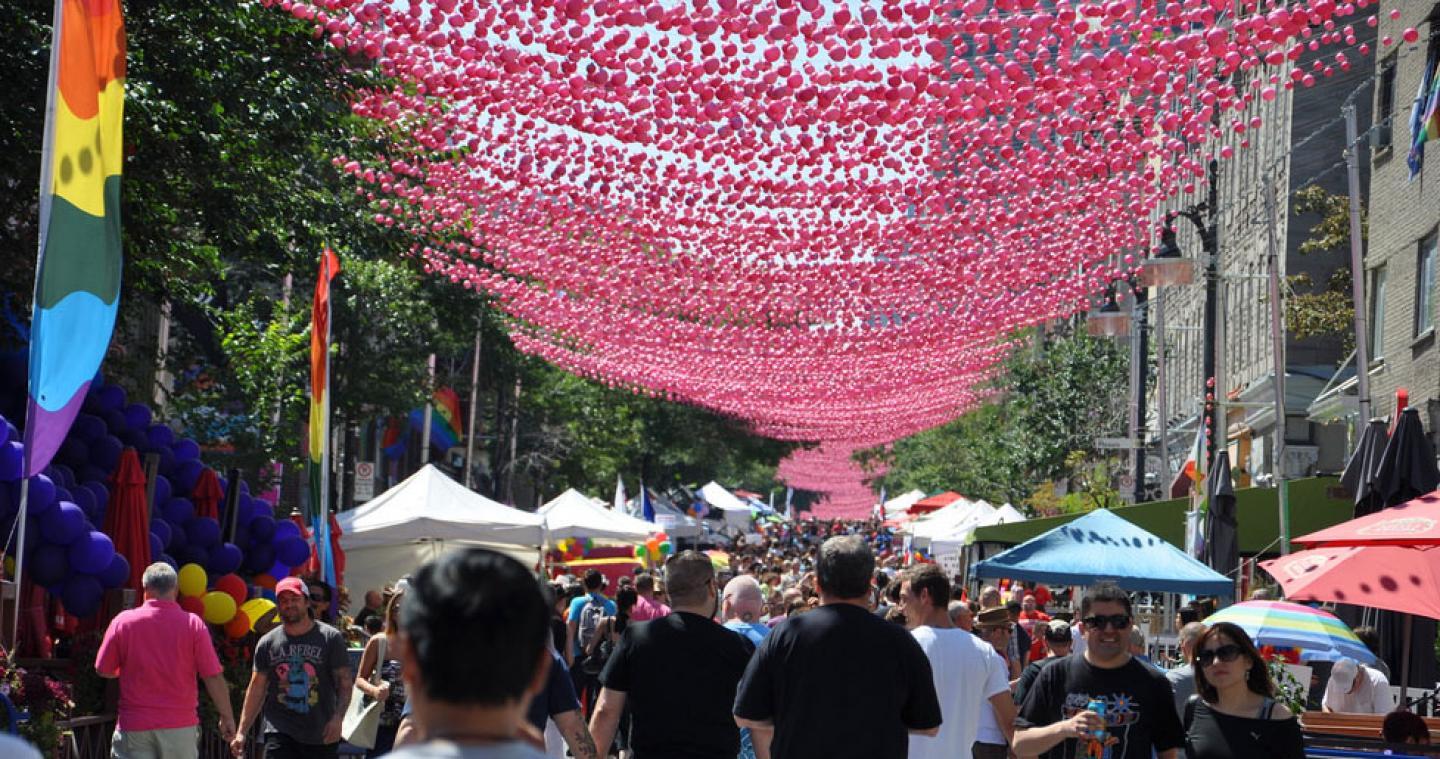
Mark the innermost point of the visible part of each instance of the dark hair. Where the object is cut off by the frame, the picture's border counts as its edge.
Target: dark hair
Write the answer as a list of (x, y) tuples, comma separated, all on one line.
[(685, 576), (594, 580), (625, 601), (1257, 679), (931, 579), (476, 622), (845, 567), (645, 582), (1013, 605), (1405, 727), (313, 584), (882, 581), (374, 624), (1102, 592)]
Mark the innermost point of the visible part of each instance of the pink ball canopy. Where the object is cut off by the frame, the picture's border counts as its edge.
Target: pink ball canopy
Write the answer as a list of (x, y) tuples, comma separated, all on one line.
[(827, 219)]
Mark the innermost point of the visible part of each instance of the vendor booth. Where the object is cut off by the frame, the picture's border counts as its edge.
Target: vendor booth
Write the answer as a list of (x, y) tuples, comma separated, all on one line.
[(734, 511), (421, 519), (573, 515), (1101, 546)]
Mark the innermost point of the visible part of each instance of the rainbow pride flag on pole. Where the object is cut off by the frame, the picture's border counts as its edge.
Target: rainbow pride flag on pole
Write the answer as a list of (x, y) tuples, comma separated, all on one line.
[(77, 279), (446, 431), (320, 412), (1424, 115)]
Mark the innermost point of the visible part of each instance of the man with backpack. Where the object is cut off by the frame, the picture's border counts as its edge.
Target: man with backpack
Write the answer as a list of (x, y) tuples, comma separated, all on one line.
[(584, 618)]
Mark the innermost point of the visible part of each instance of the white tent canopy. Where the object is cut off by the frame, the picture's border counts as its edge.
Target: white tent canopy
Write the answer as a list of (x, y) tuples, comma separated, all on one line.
[(1007, 514), (902, 503), (675, 523), (735, 511), (959, 538), (959, 516), (423, 518), (573, 515), (429, 505)]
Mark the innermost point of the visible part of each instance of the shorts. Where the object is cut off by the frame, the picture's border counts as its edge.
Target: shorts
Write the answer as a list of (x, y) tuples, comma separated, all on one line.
[(282, 746), (170, 743)]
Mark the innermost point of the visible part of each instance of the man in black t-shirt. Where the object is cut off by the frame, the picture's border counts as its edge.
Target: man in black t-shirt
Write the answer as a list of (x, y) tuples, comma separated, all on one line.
[(1056, 721), (838, 682), (677, 674)]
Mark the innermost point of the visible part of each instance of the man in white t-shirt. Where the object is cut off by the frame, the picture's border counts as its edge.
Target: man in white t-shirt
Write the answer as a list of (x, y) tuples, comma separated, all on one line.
[(967, 671), (1357, 689)]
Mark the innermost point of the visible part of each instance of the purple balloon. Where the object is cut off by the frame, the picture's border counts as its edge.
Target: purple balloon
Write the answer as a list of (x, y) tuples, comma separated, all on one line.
[(82, 595), (203, 532), (42, 495), (224, 559), (91, 553), (92, 472), (49, 564), (112, 397), (114, 421), (105, 452), (193, 555), (86, 501), (186, 475), (157, 546), (88, 427), (12, 460), (186, 450), (4, 431), (278, 571), (178, 510), (63, 524), (137, 416), (160, 529), (116, 573), (168, 559), (262, 529), (286, 529), (100, 491), (160, 436), (9, 502), (177, 538), (260, 557), (163, 491), (74, 452), (135, 438), (292, 552), (62, 475)]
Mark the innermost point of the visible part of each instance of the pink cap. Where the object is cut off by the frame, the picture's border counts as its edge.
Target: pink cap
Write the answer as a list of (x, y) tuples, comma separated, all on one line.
[(292, 585)]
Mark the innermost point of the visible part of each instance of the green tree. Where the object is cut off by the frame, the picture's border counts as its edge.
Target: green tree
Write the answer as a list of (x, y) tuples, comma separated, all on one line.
[(1312, 312)]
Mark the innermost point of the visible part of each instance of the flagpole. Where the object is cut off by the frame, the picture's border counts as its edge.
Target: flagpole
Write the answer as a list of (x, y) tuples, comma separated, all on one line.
[(474, 396), (323, 544), (429, 409), (19, 556)]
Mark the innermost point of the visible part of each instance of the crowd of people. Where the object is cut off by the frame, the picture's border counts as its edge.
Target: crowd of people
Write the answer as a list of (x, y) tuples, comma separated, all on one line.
[(817, 640)]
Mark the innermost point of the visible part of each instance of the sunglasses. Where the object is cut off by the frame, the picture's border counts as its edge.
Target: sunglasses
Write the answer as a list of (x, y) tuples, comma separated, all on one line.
[(1226, 653), (319, 599), (1113, 621)]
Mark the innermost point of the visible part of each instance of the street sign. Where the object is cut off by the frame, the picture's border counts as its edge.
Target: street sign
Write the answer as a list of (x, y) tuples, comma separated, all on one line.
[(1115, 443), (364, 480)]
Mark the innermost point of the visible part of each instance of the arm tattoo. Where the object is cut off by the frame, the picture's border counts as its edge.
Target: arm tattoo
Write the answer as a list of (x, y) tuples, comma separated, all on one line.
[(582, 746)]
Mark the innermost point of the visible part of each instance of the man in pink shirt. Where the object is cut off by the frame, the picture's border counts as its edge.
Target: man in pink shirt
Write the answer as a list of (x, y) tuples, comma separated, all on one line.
[(646, 607), (157, 651)]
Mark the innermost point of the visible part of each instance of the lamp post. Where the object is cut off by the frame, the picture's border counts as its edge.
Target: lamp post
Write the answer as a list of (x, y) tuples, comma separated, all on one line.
[(1204, 217)]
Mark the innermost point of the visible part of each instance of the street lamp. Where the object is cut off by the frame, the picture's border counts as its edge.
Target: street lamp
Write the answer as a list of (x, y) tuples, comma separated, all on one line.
[(1167, 267), (1108, 320)]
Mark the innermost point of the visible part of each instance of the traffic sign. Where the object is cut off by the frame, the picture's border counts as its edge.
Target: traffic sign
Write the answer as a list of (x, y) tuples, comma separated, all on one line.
[(364, 480)]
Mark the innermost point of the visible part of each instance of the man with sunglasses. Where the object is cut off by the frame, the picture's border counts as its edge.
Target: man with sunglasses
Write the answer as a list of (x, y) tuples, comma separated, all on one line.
[(1057, 721)]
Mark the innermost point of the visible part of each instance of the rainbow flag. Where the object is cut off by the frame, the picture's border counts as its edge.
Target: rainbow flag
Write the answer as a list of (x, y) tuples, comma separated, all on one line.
[(77, 278), (446, 432), (1424, 116), (319, 463)]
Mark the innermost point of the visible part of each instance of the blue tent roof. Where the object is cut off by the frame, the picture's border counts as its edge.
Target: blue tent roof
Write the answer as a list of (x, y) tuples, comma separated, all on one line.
[(1102, 546)]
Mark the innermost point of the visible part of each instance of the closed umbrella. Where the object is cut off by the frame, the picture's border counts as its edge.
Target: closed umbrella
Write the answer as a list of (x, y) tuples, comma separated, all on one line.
[(206, 494), (1359, 475), (1407, 467), (1319, 635), (126, 519), (1222, 533)]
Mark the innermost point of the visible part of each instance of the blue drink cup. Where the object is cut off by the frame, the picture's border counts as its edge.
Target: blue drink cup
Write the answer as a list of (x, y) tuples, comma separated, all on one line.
[(1098, 706)]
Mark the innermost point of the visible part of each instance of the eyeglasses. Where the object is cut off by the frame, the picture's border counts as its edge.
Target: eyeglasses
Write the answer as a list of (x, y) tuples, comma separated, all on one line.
[(1226, 653), (1113, 621)]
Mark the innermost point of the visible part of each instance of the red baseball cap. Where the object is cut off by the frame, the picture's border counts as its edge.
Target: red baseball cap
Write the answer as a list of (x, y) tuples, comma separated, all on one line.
[(292, 585)]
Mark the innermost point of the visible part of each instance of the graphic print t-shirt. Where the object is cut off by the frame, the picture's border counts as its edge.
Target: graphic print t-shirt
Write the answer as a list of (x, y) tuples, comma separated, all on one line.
[(1139, 708), (301, 670)]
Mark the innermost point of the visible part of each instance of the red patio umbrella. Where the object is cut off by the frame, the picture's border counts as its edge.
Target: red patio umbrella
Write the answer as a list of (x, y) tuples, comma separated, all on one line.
[(1413, 523), (126, 519), (206, 494), (1398, 578)]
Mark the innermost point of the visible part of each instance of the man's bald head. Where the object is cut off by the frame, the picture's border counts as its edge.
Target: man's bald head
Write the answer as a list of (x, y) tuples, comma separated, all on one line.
[(742, 600)]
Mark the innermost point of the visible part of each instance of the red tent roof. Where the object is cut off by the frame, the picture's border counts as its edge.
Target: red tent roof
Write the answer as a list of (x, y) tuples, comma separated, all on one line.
[(935, 502)]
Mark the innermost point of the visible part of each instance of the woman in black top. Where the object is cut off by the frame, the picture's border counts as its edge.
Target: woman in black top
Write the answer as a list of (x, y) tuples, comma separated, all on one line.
[(1234, 712)]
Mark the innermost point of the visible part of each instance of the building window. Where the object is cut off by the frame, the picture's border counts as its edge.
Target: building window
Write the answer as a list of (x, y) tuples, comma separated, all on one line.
[(1425, 285), (1377, 313), (1385, 106)]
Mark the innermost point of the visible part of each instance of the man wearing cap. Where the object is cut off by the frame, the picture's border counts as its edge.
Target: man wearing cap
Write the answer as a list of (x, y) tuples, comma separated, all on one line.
[(1357, 689), (1058, 642), (992, 740), (157, 651), (300, 683)]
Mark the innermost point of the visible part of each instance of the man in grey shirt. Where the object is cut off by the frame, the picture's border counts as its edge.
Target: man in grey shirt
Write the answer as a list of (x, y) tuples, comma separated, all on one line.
[(1182, 678)]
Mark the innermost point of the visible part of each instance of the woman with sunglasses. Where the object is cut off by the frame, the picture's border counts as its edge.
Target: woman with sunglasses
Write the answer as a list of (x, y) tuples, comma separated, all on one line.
[(1234, 712)]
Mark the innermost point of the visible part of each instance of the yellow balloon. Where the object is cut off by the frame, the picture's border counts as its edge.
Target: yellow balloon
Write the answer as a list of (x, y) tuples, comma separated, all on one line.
[(219, 607), (256, 609), (193, 580)]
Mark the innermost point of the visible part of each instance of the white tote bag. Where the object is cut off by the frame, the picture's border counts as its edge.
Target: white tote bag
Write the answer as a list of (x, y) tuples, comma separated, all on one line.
[(362, 719)]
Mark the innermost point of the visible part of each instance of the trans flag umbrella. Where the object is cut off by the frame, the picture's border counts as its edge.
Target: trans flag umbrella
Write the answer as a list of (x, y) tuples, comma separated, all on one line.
[(1319, 635)]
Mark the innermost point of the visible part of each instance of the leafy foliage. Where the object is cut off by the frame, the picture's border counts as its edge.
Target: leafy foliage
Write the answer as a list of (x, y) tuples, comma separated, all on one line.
[(1312, 313)]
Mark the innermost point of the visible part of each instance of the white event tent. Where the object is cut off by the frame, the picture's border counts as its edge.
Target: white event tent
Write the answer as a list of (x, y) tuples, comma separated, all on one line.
[(959, 516), (421, 519), (735, 511), (573, 515), (901, 504), (957, 540)]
